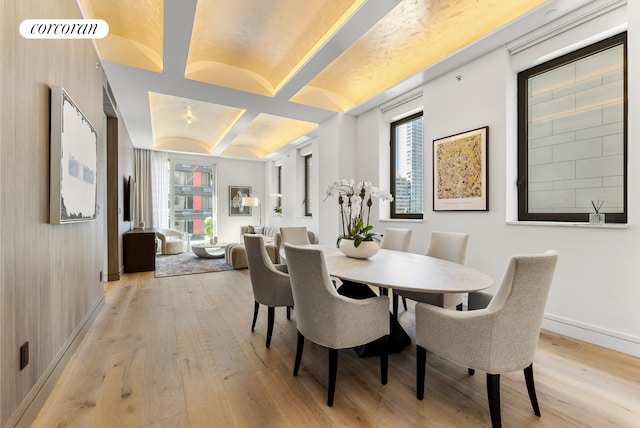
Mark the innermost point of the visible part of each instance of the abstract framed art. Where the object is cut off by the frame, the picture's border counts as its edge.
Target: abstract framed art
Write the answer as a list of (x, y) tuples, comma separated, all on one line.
[(460, 172), (73, 162), (236, 193)]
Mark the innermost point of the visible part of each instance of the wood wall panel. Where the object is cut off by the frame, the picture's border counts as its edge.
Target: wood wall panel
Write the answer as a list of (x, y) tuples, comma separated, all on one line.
[(49, 274)]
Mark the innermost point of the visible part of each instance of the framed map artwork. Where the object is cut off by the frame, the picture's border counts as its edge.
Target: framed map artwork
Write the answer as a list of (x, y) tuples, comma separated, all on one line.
[(460, 172)]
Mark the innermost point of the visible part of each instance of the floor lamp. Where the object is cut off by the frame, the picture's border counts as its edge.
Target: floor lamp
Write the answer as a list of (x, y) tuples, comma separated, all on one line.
[(252, 201)]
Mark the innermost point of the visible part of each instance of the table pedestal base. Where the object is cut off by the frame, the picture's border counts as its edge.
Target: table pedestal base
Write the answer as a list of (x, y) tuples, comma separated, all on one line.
[(398, 338)]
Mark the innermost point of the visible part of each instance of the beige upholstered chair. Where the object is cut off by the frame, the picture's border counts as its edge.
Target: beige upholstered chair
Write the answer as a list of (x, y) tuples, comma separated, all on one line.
[(449, 246), (329, 319), (499, 339), (171, 241), (270, 283), (396, 239), (296, 235)]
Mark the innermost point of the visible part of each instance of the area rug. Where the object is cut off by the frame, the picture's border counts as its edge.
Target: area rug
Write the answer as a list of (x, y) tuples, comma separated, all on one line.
[(187, 264)]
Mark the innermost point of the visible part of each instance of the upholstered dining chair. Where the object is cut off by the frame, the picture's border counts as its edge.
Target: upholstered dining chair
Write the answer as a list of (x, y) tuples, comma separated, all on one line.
[(328, 319), (171, 241), (270, 283), (296, 235), (396, 239), (449, 246), (499, 339)]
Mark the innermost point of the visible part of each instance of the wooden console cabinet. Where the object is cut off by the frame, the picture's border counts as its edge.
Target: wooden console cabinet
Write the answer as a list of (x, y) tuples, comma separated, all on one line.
[(139, 250)]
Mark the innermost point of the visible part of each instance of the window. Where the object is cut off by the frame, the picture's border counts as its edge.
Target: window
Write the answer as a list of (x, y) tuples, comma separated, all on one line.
[(407, 169), (308, 164), (193, 198), (572, 135)]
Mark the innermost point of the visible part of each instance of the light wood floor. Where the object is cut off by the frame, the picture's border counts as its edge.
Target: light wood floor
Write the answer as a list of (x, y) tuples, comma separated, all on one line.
[(178, 352)]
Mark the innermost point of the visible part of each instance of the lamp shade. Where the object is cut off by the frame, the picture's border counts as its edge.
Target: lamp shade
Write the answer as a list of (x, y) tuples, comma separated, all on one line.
[(250, 201)]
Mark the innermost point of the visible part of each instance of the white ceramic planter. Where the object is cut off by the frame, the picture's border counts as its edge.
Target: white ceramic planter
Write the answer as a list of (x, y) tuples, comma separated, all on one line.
[(365, 250)]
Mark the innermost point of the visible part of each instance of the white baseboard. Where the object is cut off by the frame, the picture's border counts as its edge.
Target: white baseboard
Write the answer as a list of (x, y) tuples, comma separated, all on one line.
[(27, 411), (615, 340)]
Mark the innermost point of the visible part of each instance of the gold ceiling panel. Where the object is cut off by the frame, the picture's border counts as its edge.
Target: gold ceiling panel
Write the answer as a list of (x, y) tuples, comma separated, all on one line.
[(135, 37), (414, 35), (170, 128), (257, 46), (265, 134)]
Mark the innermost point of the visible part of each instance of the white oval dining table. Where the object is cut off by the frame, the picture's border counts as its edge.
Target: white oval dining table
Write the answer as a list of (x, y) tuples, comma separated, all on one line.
[(404, 271)]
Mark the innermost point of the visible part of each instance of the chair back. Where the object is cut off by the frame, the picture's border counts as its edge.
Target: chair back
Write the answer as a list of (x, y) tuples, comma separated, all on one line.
[(451, 246), (518, 307), (296, 235), (313, 292), (396, 239), (261, 270)]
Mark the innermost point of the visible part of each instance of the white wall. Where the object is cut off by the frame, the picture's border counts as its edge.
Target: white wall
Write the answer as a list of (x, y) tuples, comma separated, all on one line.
[(596, 289)]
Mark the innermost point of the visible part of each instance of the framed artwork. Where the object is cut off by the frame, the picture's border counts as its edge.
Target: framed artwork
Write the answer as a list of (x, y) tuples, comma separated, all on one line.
[(73, 162), (460, 173), (236, 193)]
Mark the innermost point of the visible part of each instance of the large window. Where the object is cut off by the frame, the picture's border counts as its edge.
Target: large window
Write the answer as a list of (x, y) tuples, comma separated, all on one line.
[(308, 164), (572, 135), (407, 167), (192, 196)]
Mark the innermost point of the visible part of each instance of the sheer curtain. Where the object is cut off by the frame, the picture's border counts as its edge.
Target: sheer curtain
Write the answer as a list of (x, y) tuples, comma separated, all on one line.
[(152, 188), (160, 189), (143, 211)]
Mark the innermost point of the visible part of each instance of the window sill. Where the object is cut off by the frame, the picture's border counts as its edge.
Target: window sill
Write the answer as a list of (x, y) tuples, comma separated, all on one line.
[(569, 224), (401, 220)]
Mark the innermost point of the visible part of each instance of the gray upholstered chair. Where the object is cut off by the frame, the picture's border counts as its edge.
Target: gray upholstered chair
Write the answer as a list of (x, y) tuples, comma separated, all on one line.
[(449, 246), (329, 319), (499, 339), (270, 283), (171, 241)]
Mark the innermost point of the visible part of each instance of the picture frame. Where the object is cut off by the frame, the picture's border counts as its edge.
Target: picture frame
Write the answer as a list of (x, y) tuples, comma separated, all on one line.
[(236, 193), (460, 171), (73, 157)]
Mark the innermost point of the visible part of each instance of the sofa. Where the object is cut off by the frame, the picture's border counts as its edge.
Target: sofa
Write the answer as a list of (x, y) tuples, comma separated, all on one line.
[(236, 254)]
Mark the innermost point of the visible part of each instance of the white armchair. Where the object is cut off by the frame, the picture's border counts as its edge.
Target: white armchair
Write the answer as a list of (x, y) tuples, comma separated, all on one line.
[(171, 241)]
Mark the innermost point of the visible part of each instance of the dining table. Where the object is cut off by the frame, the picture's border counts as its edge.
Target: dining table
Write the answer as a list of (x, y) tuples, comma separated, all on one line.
[(399, 270)]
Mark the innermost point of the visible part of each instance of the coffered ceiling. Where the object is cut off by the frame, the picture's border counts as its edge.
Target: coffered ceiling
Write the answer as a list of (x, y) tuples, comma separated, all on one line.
[(244, 78)]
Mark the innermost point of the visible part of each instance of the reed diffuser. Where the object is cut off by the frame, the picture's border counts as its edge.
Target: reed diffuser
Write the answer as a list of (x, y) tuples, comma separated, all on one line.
[(596, 217)]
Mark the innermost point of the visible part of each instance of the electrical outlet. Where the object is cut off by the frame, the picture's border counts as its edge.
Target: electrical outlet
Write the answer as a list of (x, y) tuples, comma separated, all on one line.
[(24, 355)]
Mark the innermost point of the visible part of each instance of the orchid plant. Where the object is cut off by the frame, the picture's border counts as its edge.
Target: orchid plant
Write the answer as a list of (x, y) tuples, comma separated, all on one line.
[(355, 201)]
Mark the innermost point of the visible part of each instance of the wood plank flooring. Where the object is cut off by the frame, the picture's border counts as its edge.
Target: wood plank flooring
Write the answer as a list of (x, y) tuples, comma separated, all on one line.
[(179, 352)]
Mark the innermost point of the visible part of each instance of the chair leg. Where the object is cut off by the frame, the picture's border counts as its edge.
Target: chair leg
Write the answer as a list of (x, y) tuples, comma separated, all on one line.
[(256, 306), (333, 370), (271, 314), (404, 303), (531, 387), (289, 312), (421, 363), (394, 305), (384, 359), (493, 393), (299, 349)]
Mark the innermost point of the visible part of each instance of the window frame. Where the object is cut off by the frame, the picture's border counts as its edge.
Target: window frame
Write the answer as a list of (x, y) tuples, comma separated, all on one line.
[(392, 167), (523, 144)]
